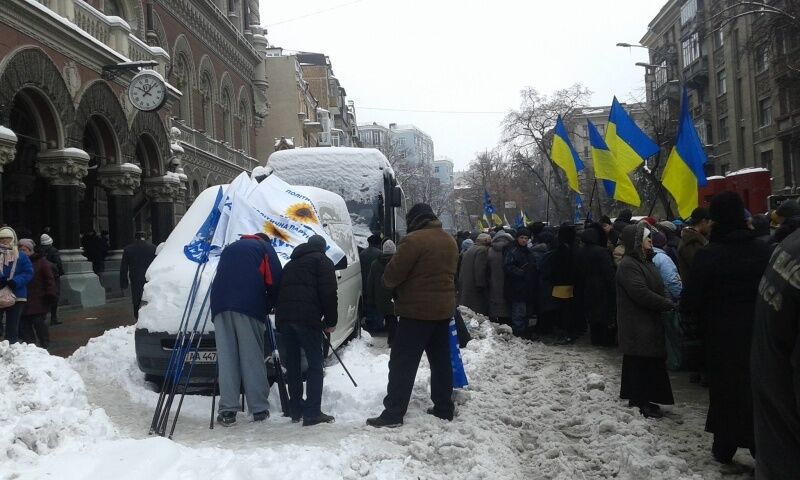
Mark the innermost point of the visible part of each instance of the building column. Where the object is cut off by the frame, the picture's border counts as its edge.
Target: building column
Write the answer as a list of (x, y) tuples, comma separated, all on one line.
[(8, 150), (65, 169), (162, 193)]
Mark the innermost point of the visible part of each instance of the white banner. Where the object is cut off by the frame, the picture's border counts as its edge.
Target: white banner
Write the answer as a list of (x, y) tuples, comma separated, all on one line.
[(240, 183)]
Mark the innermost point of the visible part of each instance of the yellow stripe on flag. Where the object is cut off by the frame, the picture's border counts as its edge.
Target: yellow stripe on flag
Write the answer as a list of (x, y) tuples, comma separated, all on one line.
[(681, 182), (562, 156), (626, 157), (606, 168)]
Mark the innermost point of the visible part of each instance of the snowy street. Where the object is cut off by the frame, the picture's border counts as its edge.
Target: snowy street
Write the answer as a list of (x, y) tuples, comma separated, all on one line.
[(531, 411)]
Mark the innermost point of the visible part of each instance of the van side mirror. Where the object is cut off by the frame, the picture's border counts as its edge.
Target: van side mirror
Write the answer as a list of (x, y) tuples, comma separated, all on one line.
[(341, 265), (397, 196)]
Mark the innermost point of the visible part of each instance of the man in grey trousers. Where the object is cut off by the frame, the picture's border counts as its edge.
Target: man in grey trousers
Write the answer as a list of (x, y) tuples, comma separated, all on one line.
[(243, 292)]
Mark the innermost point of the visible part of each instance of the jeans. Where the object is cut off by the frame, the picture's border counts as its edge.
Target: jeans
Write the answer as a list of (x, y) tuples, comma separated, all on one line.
[(240, 358), (519, 318), (13, 315), (412, 338), (294, 338)]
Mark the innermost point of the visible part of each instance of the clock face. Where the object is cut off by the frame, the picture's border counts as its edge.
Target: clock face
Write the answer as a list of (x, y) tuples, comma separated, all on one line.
[(147, 91)]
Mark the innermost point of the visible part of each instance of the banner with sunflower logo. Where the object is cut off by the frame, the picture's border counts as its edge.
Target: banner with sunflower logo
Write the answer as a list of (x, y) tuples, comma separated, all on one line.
[(278, 209)]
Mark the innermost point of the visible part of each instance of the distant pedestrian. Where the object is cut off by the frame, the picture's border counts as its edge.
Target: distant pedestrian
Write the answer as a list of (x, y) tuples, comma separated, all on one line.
[(243, 292), (521, 282), (474, 276), (640, 301), (374, 321), (53, 256), (16, 273), (499, 306), (788, 219), (307, 306), (595, 285), (775, 365), (41, 295), (721, 291), (563, 277), (95, 250), (378, 294), (693, 238), (421, 272), (136, 259)]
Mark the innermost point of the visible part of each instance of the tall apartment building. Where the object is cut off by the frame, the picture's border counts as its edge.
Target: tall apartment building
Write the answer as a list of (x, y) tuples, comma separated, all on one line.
[(293, 118), (374, 135), (337, 116), (443, 170), (413, 143), (744, 102), (76, 155)]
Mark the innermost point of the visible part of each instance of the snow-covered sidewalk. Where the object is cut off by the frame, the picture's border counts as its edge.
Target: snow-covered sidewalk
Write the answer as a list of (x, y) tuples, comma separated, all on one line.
[(531, 411)]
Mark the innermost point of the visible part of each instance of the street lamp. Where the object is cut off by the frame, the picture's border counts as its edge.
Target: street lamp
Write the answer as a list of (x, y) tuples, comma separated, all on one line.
[(631, 45)]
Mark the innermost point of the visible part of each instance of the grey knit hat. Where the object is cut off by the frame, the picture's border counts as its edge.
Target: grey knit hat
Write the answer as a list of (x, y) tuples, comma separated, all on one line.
[(389, 247)]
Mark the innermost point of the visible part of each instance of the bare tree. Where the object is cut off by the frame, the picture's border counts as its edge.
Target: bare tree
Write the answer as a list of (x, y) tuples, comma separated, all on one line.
[(528, 137), (419, 183)]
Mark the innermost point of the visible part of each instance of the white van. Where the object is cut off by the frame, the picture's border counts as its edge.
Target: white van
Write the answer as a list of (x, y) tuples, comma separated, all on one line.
[(171, 273)]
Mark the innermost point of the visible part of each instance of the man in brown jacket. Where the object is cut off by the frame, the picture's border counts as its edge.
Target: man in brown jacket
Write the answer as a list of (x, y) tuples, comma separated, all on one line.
[(422, 274), (693, 238)]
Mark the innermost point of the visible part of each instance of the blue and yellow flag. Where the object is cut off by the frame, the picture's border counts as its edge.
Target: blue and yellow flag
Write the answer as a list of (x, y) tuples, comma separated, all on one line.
[(684, 173), (564, 155), (616, 181), (629, 144)]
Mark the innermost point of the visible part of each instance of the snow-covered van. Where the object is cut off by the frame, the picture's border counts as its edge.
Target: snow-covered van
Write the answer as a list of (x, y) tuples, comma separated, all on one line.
[(362, 176), (169, 280)]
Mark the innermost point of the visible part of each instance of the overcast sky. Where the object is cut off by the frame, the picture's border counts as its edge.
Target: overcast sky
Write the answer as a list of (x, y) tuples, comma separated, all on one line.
[(465, 56)]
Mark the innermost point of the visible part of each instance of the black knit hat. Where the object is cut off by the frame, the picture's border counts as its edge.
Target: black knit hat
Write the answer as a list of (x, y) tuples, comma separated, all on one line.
[(727, 210), (625, 215), (605, 220), (787, 209), (523, 232)]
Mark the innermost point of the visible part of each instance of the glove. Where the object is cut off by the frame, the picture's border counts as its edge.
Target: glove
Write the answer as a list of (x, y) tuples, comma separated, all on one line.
[(11, 284)]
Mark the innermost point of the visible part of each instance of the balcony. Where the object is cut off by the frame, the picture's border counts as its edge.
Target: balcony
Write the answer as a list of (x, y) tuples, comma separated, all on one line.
[(196, 141), (696, 74), (788, 124)]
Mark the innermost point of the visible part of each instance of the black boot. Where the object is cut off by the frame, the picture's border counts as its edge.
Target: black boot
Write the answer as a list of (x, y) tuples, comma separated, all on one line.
[(382, 422), (322, 418), (226, 419)]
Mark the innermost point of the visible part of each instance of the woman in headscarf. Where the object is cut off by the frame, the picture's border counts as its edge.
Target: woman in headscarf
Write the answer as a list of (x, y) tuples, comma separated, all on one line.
[(722, 290), (640, 301), (15, 273), (41, 295)]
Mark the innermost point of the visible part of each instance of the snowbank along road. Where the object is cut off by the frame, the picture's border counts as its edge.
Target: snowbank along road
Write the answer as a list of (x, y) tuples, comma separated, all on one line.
[(531, 411)]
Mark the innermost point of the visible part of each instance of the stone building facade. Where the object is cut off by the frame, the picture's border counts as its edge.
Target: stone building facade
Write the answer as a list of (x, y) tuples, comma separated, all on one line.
[(744, 102), (77, 156)]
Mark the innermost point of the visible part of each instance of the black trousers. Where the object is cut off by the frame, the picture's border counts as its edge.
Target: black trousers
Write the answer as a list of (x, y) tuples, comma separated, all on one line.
[(33, 328), (412, 338)]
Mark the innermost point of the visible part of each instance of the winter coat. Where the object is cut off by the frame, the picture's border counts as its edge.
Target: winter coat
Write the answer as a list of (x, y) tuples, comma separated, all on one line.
[(545, 303), (308, 290), (422, 272), (377, 294), (721, 291), (136, 258), (23, 274), (247, 279), (640, 300), (474, 279), (54, 257), (365, 258), (594, 287), (521, 275), (775, 358), (95, 248), (691, 242), (41, 288), (784, 230), (498, 305), (669, 273)]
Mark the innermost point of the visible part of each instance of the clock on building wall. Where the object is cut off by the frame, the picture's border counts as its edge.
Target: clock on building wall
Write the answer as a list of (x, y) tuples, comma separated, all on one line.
[(147, 91)]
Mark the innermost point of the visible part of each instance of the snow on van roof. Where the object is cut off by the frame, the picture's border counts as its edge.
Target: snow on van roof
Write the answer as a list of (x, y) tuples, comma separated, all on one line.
[(354, 173)]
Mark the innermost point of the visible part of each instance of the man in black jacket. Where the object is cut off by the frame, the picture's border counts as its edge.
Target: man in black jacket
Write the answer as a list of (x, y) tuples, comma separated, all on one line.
[(136, 258), (307, 306), (774, 362)]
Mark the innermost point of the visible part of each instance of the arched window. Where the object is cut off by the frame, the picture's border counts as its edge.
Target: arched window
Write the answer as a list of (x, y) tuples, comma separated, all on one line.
[(183, 77), (243, 127), (208, 103), (113, 8), (227, 127)]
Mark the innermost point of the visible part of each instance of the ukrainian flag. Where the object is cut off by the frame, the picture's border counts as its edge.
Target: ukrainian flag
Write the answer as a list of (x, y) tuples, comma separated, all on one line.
[(616, 181), (626, 140), (564, 155), (684, 173)]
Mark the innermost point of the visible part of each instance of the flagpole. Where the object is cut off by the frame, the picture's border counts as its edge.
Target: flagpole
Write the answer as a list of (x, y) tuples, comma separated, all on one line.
[(547, 215), (591, 197)]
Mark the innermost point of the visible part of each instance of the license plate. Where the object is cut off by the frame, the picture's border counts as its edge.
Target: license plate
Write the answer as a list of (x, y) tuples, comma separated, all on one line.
[(201, 357)]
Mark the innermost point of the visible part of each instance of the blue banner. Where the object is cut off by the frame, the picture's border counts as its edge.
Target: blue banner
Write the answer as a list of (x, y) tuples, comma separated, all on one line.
[(197, 250), (459, 375)]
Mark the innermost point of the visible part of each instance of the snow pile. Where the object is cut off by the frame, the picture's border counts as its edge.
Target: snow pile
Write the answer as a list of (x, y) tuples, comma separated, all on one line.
[(43, 405)]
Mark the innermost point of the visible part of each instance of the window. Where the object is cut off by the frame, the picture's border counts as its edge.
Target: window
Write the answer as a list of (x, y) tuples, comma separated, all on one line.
[(722, 84), (435, 169), (725, 168), (585, 152), (207, 103), (112, 8), (688, 11), (245, 132), (700, 127), (765, 112), (722, 135), (762, 59), (184, 85), (691, 49), (661, 74), (227, 127), (376, 138), (766, 160), (335, 140), (719, 38)]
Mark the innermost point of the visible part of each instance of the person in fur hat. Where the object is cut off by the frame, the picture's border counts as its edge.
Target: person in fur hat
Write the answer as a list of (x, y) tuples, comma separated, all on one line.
[(16, 271)]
